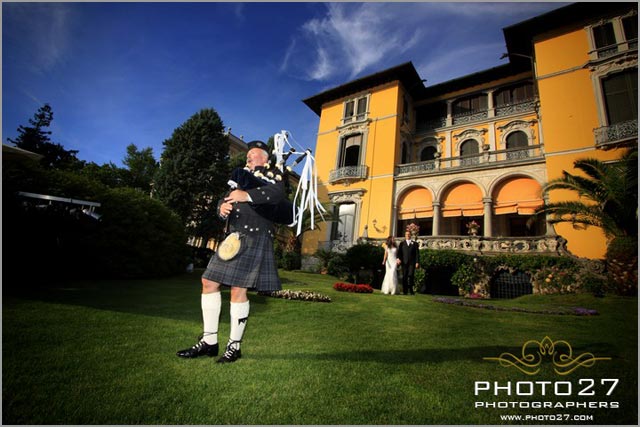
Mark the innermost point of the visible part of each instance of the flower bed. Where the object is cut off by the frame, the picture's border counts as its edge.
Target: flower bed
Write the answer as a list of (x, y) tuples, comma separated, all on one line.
[(576, 311), (298, 295), (348, 287)]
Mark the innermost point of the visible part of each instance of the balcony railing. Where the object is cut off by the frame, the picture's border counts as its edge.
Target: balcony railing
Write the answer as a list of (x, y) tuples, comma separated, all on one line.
[(607, 51), (348, 173), (484, 160), (541, 245), (516, 108), (549, 245), (431, 124), (475, 116), (617, 133)]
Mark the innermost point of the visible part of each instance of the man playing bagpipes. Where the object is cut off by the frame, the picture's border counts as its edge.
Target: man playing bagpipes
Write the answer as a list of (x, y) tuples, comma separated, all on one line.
[(245, 260)]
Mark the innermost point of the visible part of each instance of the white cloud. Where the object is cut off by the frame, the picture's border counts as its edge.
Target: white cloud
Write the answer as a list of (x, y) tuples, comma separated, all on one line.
[(41, 30), (352, 38), (463, 60)]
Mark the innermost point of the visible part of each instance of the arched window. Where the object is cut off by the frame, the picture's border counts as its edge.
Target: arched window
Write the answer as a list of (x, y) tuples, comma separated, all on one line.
[(342, 230), (405, 153), (516, 141), (428, 153), (514, 94), (350, 153), (470, 105), (468, 152), (621, 96)]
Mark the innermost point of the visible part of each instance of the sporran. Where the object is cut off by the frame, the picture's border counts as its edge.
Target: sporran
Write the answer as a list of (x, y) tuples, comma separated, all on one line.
[(230, 247)]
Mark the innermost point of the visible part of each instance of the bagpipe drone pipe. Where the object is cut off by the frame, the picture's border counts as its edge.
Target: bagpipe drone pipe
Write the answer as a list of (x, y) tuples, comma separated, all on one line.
[(284, 212)]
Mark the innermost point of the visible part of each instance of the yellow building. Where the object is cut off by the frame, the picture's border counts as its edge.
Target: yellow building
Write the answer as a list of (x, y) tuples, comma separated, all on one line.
[(479, 148)]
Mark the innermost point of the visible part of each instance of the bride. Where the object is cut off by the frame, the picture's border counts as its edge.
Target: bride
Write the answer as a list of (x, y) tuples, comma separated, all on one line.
[(390, 282)]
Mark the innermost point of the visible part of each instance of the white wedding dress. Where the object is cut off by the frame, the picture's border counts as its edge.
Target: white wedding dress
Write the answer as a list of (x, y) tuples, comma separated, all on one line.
[(390, 282)]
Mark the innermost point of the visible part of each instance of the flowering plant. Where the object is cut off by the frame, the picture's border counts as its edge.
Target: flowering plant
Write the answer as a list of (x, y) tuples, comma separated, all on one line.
[(413, 228), (473, 224), (552, 280), (298, 295), (348, 287), (473, 227)]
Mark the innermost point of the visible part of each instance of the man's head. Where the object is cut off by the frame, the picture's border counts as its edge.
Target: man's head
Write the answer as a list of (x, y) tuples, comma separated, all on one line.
[(407, 235), (257, 154)]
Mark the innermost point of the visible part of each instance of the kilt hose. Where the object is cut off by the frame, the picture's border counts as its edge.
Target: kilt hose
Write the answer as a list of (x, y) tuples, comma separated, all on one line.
[(253, 268)]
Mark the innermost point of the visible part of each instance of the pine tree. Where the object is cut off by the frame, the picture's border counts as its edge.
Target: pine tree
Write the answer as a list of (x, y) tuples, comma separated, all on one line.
[(193, 173), (36, 139)]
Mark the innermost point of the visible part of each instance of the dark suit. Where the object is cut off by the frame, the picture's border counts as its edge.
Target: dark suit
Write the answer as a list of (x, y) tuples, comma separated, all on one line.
[(408, 256)]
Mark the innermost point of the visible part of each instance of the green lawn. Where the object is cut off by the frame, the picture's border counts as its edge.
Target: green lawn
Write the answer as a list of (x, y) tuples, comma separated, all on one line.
[(103, 352)]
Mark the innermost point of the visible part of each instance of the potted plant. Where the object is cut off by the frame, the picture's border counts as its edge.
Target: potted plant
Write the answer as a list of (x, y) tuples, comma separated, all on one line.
[(472, 228)]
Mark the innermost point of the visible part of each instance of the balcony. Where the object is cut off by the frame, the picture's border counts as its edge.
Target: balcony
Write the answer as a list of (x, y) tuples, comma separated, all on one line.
[(616, 134), (484, 160), (525, 106), (464, 118), (614, 49), (547, 245), (348, 173), (537, 245)]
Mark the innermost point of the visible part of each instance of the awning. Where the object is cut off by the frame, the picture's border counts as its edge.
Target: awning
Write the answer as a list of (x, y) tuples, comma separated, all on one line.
[(519, 195), (463, 200), (416, 203)]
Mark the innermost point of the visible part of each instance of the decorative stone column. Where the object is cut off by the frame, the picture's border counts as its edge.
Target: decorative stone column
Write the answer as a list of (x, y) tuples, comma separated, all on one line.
[(436, 219), (490, 106), (488, 216)]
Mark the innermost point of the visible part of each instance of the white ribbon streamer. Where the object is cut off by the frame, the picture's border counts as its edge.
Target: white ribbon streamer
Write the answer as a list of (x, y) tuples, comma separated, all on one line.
[(306, 196)]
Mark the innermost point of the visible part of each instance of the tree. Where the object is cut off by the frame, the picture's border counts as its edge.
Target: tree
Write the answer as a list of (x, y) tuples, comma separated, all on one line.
[(108, 174), (193, 173), (608, 196), (36, 139), (142, 167)]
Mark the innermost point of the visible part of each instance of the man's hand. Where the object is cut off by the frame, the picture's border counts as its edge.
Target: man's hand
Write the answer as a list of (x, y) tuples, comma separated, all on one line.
[(237, 196)]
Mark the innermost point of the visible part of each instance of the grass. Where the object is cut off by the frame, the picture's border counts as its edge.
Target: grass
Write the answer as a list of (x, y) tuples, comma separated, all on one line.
[(103, 352)]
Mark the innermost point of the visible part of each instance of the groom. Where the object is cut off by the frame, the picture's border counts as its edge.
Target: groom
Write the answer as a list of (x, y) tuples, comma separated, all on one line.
[(408, 258)]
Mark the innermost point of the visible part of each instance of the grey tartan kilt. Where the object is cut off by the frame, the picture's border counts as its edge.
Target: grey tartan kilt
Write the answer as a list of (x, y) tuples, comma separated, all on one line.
[(253, 268)]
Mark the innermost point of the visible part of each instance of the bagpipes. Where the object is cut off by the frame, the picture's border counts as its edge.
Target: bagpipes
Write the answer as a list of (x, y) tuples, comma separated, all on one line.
[(285, 212)]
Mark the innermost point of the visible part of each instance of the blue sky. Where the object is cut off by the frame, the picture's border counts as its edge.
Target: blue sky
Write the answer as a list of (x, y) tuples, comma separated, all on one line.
[(122, 73)]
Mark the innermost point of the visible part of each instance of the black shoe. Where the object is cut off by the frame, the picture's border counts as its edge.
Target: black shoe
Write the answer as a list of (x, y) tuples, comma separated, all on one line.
[(230, 355), (200, 349)]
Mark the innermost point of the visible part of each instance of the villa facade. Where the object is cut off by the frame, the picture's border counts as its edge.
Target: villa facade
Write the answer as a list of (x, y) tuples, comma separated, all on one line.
[(391, 151)]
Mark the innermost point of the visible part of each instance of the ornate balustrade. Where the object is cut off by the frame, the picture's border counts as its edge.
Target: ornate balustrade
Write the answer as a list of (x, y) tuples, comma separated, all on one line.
[(348, 172), (539, 245), (616, 133), (546, 245), (521, 107), (487, 159)]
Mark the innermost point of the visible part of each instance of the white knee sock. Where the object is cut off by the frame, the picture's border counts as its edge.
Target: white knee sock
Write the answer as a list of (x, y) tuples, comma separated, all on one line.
[(211, 304), (239, 312)]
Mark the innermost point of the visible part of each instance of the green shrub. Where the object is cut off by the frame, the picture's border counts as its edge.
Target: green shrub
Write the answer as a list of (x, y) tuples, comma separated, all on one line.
[(138, 237), (338, 266), (622, 264), (419, 279), (324, 255), (291, 261), (364, 256), (439, 267)]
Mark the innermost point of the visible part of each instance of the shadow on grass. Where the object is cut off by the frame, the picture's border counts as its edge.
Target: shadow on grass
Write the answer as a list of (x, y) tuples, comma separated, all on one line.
[(426, 355), (175, 298)]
